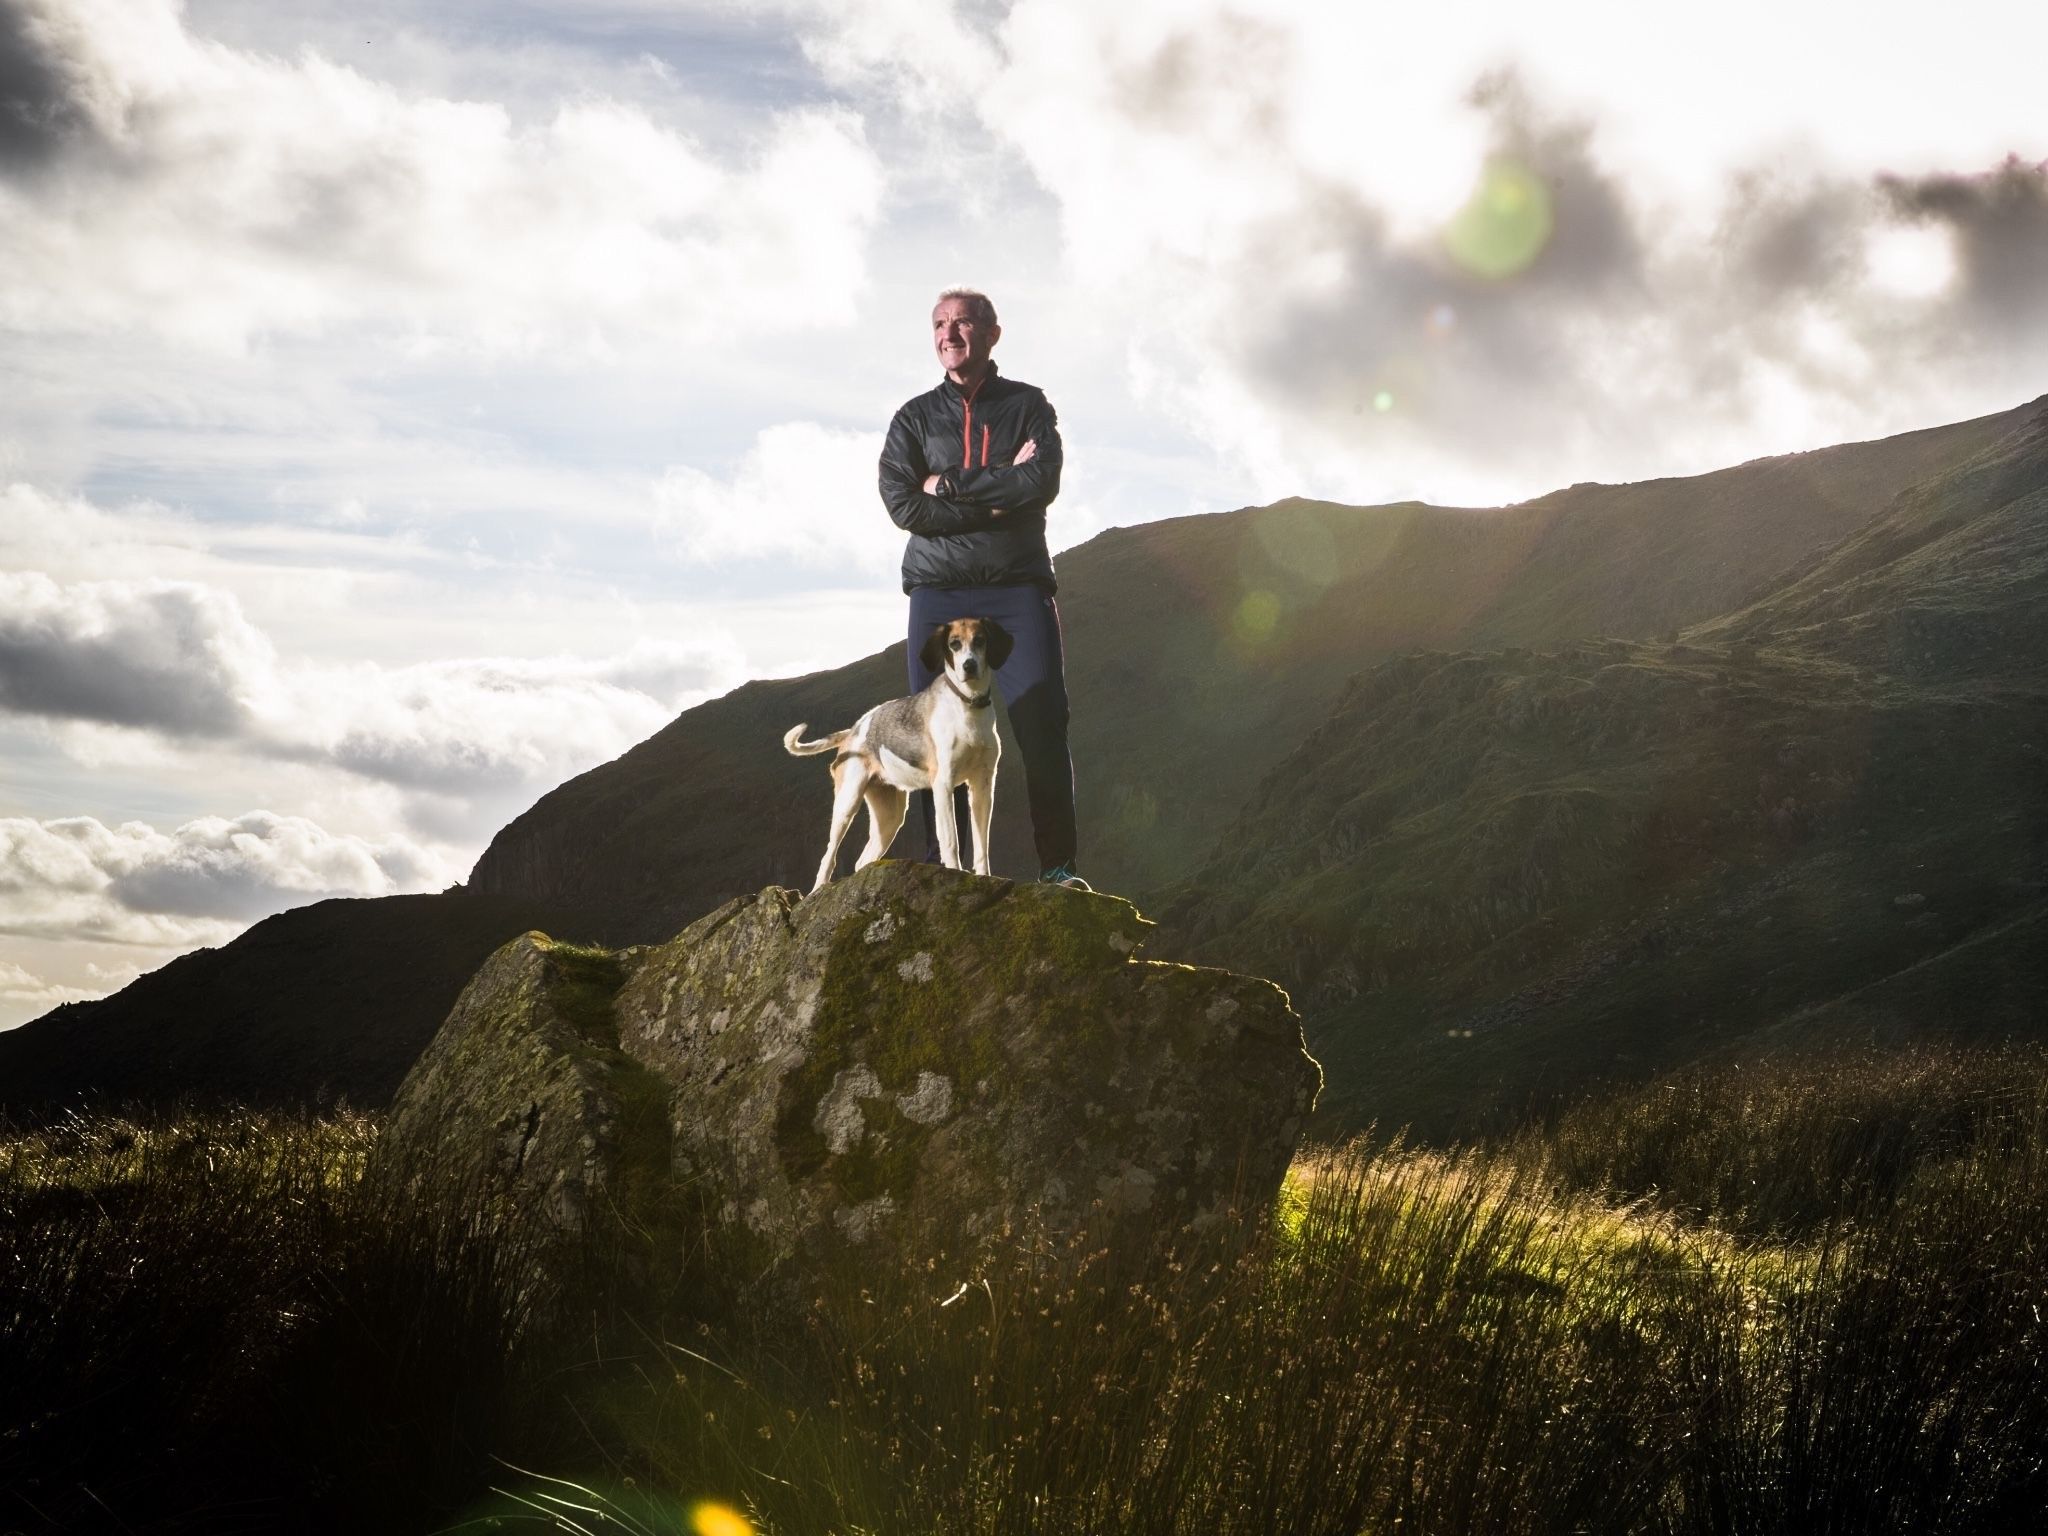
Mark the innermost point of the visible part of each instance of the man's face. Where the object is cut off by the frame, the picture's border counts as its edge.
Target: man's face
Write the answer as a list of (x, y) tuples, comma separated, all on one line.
[(961, 338)]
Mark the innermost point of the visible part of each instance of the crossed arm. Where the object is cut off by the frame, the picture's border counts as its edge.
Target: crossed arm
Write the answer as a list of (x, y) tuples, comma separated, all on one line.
[(963, 500), (1024, 456)]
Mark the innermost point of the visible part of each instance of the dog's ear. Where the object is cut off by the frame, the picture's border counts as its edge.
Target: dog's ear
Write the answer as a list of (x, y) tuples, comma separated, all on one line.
[(934, 653), (999, 643)]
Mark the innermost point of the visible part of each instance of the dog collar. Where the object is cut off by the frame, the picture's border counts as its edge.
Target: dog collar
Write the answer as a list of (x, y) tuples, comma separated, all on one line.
[(970, 700)]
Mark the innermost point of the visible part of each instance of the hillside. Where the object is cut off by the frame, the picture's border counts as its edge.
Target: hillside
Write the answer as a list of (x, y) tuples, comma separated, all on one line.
[(1205, 658), (325, 1004), (1199, 651), (1490, 878)]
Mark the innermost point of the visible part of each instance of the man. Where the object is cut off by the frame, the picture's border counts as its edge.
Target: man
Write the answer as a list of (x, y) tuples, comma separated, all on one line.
[(968, 472)]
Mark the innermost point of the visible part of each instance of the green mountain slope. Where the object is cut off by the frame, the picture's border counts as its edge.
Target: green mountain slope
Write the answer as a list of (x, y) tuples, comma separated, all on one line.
[(1945, 585), (1492, 877), (1199, 651)]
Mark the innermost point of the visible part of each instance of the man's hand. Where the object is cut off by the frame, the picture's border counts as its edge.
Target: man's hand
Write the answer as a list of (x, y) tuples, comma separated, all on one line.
[(1024, 456)]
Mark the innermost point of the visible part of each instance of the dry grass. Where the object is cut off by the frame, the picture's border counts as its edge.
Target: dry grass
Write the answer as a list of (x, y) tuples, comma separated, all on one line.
[(1509, 1339)]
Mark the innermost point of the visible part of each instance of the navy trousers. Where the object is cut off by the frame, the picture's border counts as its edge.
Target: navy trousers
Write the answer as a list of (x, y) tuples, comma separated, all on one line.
[(1034, 688)]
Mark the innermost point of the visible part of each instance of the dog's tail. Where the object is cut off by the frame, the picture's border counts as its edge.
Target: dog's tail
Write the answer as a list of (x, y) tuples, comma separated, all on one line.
[(812, 748)]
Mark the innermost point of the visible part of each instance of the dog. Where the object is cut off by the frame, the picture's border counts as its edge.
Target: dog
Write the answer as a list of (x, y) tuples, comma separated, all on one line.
[(932, 740)]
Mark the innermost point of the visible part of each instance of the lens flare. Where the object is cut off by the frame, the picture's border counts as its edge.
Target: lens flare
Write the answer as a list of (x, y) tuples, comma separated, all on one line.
[(1383, 401), (1135, 810), (1291, 542), (710, 1518), (1504, 225), (1256, 617)]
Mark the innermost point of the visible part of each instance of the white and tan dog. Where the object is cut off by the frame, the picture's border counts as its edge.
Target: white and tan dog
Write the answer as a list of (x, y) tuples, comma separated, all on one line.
[(932, 740)]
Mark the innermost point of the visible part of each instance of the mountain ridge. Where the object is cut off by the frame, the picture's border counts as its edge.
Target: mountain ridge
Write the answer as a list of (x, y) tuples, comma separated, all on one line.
[(224, 1026), (1169, 642), (1204, 654), (1500, 864)]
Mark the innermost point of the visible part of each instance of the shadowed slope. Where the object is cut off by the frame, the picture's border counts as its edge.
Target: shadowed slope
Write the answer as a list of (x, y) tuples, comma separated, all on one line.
[(1199, 650), (1493, 876), (327, 1003)]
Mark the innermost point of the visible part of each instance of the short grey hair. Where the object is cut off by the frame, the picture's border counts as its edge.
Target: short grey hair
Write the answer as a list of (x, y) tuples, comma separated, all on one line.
[(979, 304)]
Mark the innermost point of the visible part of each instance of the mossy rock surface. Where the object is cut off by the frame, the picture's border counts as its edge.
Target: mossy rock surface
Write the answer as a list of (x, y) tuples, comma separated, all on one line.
[(911, 1051), (518, 1107), (914, 1043)]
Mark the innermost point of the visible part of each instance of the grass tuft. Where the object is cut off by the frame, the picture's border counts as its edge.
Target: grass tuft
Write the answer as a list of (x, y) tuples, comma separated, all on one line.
[(1804, 1297)]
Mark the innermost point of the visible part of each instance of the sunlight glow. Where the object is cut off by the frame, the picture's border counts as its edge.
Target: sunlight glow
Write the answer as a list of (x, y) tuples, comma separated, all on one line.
[(710, 1518), (1505, 224), (1915, 263), (1297, 543), (1256, 617)]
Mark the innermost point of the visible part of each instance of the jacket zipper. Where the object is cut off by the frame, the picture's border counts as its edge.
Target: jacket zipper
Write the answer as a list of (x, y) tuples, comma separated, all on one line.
[(967, 428)]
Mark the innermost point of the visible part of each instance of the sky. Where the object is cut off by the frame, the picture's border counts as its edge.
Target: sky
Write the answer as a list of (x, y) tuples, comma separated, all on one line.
[(407, 407)]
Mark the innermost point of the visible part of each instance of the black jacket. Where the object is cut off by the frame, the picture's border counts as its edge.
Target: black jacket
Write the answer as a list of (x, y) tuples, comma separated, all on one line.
[(969, 443)]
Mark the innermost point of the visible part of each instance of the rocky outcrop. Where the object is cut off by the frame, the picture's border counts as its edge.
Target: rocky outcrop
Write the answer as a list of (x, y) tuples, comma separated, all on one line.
[(518, 1099), (912, 1050)]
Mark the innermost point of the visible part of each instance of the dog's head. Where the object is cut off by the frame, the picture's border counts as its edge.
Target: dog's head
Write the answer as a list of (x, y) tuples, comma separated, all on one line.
[(970, 649)]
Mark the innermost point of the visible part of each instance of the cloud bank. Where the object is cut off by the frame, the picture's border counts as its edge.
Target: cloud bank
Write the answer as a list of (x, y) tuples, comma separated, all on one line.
[(153, 180), (202, 883), (25, 995), (179, 660), (803, 494), (1371, 254), (153, 655), (426, 396)]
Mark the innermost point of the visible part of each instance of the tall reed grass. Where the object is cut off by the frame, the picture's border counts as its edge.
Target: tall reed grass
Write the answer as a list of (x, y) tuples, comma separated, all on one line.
[(1790, 1143), (214, 1327), (209, 1324)]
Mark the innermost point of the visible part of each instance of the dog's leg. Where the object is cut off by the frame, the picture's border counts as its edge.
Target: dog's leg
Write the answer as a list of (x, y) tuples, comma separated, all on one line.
[(847, 783), (886, 805), (943, 822), (981, 805)]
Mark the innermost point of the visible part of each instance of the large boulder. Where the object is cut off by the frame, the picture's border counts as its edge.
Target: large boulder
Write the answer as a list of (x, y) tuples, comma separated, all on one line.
[(517, 1102), (911, 1050)]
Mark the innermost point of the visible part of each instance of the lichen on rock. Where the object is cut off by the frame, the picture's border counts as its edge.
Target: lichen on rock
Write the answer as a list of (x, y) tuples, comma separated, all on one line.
[(913, 1038), (910, 1049)]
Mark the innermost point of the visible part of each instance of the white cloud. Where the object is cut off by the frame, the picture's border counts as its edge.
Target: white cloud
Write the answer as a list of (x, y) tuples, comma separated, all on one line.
[(803, 493), (168, 656), (71, 536), (1912, 262), (76, 877), (382, 350), (474, 724), (180, 660), (1260, 196), (927, 52), (213, 194), (24, 995)]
